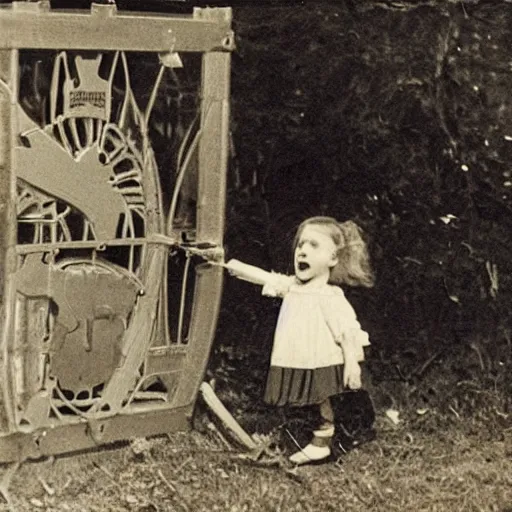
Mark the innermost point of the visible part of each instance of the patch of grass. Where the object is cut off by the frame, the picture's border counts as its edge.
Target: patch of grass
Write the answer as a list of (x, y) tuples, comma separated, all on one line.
[(425, 463)]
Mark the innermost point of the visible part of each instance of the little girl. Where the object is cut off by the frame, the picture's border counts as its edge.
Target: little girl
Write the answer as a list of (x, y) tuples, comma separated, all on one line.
[(318, 341)]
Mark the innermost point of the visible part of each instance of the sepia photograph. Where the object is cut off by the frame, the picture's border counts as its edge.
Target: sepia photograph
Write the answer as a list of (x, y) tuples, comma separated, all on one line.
[(255, 256)]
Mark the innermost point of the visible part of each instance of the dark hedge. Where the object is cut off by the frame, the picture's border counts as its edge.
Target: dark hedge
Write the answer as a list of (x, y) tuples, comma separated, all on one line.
[(397, 116)]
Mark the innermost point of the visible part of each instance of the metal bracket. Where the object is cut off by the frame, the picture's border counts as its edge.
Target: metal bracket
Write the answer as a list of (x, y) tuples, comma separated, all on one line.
[(212, 253), (228, 43), (96, 429)]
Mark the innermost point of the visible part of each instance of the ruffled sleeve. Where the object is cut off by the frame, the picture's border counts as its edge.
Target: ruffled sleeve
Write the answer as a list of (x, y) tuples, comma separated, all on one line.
[(277, 285), (343, 324)]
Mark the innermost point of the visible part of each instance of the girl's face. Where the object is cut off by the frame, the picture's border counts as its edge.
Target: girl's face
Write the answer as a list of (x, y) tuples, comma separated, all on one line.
[(315, 255)]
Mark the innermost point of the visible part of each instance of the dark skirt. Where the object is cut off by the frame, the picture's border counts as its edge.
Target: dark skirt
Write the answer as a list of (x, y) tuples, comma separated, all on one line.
[(297, 386)]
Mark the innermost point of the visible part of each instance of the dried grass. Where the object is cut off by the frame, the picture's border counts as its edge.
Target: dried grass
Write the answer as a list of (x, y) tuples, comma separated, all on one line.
[(430, 462)]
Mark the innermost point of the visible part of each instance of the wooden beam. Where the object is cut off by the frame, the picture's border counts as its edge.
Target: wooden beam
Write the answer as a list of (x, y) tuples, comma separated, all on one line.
[(36, 26)]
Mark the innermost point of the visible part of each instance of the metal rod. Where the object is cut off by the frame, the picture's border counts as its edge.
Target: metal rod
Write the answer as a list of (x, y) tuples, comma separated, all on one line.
[(152, 98), (182, 300), (181, 175), (90, 244)]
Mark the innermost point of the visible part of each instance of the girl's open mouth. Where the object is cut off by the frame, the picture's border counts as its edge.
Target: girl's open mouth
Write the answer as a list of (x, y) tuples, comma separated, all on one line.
[(302, 265)]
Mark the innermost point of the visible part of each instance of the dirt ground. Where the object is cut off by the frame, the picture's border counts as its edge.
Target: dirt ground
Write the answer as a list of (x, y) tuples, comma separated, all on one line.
[(426, 462)]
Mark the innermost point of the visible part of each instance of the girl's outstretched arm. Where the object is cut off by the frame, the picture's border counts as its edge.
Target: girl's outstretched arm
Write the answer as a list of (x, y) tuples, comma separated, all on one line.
[(247, 272), (274, 285)]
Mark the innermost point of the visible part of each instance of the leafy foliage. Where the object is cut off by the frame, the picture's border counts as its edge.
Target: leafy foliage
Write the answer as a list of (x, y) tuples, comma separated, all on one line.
[(397, 116)]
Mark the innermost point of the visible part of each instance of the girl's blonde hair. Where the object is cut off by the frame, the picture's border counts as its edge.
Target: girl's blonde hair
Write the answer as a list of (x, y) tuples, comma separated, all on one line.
[(353, 267)]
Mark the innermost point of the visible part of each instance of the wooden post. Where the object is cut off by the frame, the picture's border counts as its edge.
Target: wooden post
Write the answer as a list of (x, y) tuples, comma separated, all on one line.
[(8, 88), (211, 196)]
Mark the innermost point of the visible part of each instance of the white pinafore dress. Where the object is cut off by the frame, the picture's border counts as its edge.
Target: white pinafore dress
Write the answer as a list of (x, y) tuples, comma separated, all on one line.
[(306, 365)]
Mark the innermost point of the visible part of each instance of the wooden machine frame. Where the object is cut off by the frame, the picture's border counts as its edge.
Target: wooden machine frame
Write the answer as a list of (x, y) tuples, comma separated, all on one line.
[(92, 255)]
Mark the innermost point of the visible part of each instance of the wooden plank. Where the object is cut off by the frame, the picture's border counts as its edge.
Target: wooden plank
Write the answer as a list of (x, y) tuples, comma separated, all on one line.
[(85, 435), (8, 231), (38, 27), (213, 159)]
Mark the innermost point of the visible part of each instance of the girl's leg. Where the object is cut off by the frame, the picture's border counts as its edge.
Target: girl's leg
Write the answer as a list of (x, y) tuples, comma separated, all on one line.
[(320, 446), (327, 413)]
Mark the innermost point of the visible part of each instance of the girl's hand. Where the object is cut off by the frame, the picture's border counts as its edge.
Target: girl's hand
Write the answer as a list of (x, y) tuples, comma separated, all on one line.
[(352, 375)]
